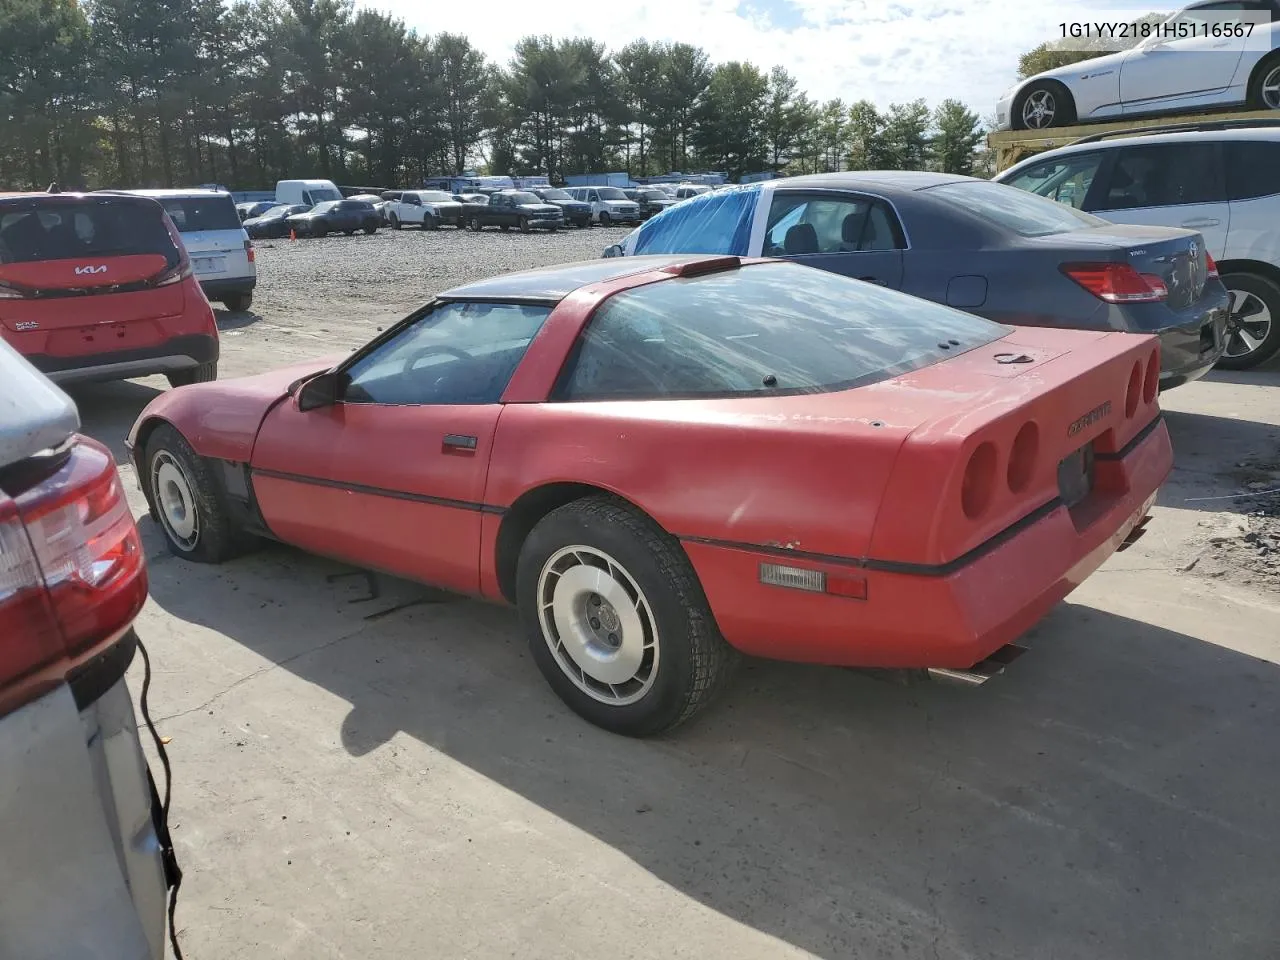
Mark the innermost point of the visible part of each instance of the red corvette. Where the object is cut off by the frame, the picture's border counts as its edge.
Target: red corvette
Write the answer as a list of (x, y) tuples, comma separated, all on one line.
[(664, 460)]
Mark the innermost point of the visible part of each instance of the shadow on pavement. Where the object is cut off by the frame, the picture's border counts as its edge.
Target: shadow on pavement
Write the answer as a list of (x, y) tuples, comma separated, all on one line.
[(1214, 457), (107, 410), (234, 319), (1114, 795)]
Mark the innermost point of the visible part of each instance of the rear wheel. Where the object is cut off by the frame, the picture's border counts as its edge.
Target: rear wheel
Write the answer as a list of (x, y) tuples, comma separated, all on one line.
[(1264, 88), (349, 233), (187, 503), (238, 301), (205, 373), (474, 224), (319, 230), (1041, 105), (1253, 325), (616, 619), (395, 222), (504, 227)]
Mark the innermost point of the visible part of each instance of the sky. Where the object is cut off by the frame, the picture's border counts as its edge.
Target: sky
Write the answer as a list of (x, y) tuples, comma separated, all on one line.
[(887, 51)]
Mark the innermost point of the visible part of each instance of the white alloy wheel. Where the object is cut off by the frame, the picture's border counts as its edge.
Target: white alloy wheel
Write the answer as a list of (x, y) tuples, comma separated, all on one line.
[(174, 501), (598, 625)]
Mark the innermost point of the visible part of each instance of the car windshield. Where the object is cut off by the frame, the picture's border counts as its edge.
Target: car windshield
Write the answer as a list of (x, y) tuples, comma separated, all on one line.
[(1024, 213), (65, 230), (191, 214), (522, 197), (323, 194), (281, 211), (326, 206), (772, 328), (612, 193), (435, 196), (652, 195), (555, 195)]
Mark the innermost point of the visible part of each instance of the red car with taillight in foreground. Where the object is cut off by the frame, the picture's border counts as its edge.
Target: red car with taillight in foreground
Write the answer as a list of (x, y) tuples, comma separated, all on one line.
[(84, 851), (100, 287), (664, 460)]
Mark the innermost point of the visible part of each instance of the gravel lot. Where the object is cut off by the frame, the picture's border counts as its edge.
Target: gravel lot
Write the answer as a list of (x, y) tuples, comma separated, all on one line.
[(357, 778)]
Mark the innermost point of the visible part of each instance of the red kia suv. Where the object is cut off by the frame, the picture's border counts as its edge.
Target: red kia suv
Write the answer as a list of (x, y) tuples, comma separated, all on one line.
[(100, 287)]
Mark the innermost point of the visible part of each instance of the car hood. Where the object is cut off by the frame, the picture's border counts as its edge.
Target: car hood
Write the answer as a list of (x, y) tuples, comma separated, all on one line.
[(540, 207), (572, 204), (444, 204), (625, 203)]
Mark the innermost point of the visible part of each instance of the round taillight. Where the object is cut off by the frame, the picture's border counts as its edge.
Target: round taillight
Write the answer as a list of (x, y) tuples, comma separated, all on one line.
[(1134, 394), (1022, 458), (1152, 385), (979, 481)]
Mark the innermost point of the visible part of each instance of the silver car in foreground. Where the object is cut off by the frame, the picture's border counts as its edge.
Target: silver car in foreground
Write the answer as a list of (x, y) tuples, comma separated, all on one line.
[(85, 859)]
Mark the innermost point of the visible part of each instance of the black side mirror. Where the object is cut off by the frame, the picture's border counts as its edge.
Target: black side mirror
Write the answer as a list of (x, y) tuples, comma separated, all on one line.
[(613, 250), (319, 391)]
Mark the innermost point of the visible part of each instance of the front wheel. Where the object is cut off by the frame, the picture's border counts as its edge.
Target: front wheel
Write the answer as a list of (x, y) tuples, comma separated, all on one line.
[(504, 227), (205, 373), (1253, 323), (1042, 105), (524, 224), (370, 229), (605, 219), (349, 233), (187, 502), (616, 620), (320, 230), (474, 224), (430, 223)]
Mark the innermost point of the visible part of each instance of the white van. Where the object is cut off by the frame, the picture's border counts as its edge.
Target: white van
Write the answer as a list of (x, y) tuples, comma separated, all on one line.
[(221, 252), (608, 204), (308, 192)]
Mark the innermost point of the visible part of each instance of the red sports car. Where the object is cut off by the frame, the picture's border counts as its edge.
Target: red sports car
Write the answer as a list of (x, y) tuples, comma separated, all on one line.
[(662, 461)]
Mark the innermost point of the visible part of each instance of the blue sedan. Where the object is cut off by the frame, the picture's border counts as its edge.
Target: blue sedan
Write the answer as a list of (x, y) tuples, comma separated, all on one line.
[(992, 250)]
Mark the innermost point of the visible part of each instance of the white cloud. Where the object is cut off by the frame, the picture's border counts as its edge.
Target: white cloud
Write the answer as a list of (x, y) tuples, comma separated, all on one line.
[(886, 51)]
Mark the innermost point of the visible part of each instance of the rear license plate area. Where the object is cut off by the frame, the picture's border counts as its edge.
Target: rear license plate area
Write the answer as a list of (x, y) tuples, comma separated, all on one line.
[(1208, 339), (1075, 477), (209, 264)]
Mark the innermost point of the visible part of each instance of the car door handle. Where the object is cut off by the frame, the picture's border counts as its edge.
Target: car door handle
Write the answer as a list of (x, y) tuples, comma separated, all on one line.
[(1204, 222), (875, 280), (460, 442)]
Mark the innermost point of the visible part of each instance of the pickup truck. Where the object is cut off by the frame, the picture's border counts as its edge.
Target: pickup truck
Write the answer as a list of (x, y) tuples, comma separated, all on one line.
[(515, 208), (429, 209)]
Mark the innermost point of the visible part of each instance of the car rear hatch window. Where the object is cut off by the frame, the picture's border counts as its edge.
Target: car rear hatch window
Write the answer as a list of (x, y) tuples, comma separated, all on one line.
[(1024, 213), (764, 329), (57, 247), (201, 214)]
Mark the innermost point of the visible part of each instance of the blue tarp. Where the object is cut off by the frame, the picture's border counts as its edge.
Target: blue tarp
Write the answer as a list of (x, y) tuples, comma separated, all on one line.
[(717, 222)]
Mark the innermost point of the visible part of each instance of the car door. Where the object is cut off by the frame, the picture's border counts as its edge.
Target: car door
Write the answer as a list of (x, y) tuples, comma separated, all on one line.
[(1253, 192), (1179, 63), (1166, 185), (848, 233), (391, 474)]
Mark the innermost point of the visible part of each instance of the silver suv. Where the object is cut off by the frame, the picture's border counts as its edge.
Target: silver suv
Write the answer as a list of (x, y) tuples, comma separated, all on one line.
[(1222, 179), (85, 858)]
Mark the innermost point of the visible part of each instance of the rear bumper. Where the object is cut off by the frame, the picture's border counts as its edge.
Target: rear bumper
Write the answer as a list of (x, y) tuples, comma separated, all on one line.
[(1191, 341), (227, 286), (950, 616), (177, 353)]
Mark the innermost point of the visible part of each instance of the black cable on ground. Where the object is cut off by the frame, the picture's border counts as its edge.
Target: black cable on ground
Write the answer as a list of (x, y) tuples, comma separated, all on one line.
[(172, 872)]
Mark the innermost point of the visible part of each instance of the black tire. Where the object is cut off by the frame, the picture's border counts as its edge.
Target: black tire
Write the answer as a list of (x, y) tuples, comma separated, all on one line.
[(370, 229), (1248, 291), (319, 230), (216, 537), (205, 373), (524, 224), (605, 219), (395, 223), (430, 223), (237, 302), (474, 224), (504, 227), (349, 233), (1057, 99), (1266, 75), (693, 663), (554, 229)]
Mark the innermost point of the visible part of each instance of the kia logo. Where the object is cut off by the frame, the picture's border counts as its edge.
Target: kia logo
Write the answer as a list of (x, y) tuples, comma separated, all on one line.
[(81, 271)]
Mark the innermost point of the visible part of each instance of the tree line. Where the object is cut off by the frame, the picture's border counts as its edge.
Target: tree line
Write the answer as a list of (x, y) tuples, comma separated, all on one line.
[(178, 92)]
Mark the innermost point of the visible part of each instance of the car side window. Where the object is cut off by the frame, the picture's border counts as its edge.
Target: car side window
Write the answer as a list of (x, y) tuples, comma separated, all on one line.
[(1253, 168), (1066, 179), (1164, 175), (457, 353), (801, 224)]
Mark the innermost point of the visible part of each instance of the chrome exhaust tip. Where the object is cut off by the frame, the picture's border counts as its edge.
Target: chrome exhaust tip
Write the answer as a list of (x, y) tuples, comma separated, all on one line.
[(981, 672)]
